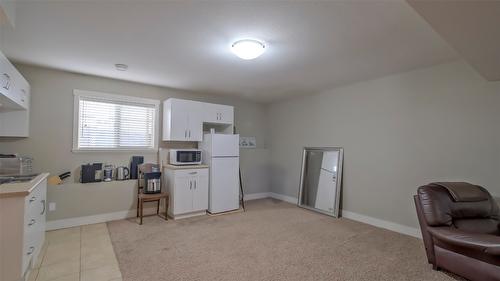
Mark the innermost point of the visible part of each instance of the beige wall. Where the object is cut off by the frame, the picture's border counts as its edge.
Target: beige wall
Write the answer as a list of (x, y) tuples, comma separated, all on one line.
[(50, 140), (398, 132)]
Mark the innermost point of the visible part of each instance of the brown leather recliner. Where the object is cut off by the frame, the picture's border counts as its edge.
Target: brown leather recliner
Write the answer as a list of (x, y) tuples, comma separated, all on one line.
[(460, 228)]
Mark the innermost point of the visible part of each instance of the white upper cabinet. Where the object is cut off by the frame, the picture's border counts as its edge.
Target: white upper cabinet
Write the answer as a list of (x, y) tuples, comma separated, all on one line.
[(183, 119), (14, 101), (218, 113)]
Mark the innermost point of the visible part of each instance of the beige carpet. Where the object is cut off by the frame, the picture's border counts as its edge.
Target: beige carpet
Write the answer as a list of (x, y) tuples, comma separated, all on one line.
[(273, 240)]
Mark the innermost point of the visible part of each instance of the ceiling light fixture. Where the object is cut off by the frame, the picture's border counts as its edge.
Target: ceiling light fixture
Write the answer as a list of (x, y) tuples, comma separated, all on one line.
[(248, 49), (121, 67)]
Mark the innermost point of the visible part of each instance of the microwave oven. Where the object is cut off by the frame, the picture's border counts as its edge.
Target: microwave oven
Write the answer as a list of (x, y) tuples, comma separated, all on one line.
[(184, 156)]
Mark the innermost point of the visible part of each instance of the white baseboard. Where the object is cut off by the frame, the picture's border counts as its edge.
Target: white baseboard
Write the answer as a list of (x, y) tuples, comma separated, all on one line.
[(255, 196), (78, 221), (396, 227), (282, 197), (403, 229), (71, 222)]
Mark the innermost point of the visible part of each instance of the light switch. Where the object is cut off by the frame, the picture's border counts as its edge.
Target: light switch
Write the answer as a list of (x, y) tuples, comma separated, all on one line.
[(52, 206)]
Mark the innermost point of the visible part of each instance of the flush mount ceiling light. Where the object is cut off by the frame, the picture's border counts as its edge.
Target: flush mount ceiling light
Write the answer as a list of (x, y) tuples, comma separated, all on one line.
[(121, 67), (248, 49)]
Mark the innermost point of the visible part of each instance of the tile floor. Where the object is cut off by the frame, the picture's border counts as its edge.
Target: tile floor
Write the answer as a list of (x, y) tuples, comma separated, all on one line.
[(77, 254)]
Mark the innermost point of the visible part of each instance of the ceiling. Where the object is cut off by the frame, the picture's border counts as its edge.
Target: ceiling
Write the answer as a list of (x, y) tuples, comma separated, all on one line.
[(471, 27), (312, 46)]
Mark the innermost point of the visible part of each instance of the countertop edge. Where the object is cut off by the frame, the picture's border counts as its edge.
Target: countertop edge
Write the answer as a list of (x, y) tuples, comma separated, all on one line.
[(185, 167), (25, 188)]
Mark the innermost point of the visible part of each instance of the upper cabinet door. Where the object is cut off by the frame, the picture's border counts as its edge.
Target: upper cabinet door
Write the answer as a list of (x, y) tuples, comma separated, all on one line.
[(195, 116), (226, 114), (218, 113), (175, 120), (14, 89)]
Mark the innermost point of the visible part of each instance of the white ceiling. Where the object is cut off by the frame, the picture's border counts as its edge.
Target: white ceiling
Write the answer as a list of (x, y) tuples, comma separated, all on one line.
[(312, 45), (471, 27)]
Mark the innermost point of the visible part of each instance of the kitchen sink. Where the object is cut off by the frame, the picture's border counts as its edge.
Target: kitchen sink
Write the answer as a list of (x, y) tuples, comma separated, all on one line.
[(16, 178)]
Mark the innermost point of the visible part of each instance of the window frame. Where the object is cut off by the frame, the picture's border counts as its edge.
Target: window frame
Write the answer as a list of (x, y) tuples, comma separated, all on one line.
[(78, 94)]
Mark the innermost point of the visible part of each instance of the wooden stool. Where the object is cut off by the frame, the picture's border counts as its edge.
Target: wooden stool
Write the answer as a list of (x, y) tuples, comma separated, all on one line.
[(145, 197)]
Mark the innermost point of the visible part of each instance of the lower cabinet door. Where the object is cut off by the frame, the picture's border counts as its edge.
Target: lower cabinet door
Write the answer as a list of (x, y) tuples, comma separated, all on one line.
[(183, 200), (200, 192)]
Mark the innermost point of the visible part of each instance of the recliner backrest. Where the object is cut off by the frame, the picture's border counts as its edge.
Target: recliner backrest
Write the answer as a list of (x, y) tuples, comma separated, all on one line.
[(440, 209)]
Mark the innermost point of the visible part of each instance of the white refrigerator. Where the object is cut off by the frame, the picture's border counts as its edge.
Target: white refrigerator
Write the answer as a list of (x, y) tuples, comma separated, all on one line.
[(222, 153), (326, 195)]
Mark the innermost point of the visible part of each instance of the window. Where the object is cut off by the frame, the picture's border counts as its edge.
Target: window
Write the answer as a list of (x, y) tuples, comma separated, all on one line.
[(112, 122)]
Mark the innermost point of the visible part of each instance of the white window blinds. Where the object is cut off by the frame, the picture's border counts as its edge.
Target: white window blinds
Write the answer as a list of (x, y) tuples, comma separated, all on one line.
[(110, 123)]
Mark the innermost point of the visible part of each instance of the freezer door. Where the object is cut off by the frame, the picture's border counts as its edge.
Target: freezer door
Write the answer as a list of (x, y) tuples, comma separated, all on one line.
[(225, 145), (224, 190)]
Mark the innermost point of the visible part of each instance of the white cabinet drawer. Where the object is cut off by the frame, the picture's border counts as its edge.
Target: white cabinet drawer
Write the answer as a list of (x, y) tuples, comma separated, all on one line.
[(35, 202), (34, 223), (191, 172)]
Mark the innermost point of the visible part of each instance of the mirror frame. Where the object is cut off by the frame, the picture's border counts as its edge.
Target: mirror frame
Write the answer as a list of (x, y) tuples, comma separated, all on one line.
[(336, 212)]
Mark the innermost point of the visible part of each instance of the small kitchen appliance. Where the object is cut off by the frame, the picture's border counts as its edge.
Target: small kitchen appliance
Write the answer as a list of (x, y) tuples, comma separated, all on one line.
[(108, 172), (185, 156), (136, 161), (122, 173), (152, 182), (97, 172), (91, 173), (14, 164)]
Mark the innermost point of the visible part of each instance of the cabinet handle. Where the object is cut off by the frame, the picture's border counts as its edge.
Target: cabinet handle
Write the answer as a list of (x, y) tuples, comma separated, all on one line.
[(190, 184), (32, 222), (195, 185), (30, 251), (7, 84), (44, 207), (32, 199), (193, 173), (189, 133), (185, 133)]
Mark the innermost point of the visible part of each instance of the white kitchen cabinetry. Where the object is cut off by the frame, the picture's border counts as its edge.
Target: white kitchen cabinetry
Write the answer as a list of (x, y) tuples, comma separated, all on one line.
[(218, 113), (183, 119), (22, 229), (14, 101), (188, 190)]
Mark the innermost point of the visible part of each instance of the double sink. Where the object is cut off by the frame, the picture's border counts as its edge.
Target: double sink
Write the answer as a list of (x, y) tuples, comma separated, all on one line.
[(16, 178)]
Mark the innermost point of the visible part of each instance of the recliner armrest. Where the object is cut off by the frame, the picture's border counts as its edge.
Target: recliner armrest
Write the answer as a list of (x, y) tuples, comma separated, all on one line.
[(489, 244)]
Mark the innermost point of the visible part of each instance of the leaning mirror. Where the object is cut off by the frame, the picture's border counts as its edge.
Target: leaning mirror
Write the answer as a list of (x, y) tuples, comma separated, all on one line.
[(321, 179)]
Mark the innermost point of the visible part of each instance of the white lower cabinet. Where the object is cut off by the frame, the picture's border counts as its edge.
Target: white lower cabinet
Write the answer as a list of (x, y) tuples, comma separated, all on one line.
[(188, 191), (22, 232)]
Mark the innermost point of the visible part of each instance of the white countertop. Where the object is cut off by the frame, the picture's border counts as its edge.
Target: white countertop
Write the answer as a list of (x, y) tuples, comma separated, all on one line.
[(184, 167), (21, 188)]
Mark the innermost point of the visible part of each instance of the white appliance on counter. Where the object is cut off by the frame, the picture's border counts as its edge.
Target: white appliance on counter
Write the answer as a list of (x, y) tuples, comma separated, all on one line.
[(222, 153), (185, 156)]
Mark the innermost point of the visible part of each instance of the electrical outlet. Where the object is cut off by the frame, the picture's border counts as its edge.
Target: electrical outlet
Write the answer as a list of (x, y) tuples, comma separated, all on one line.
[(52, 206)]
